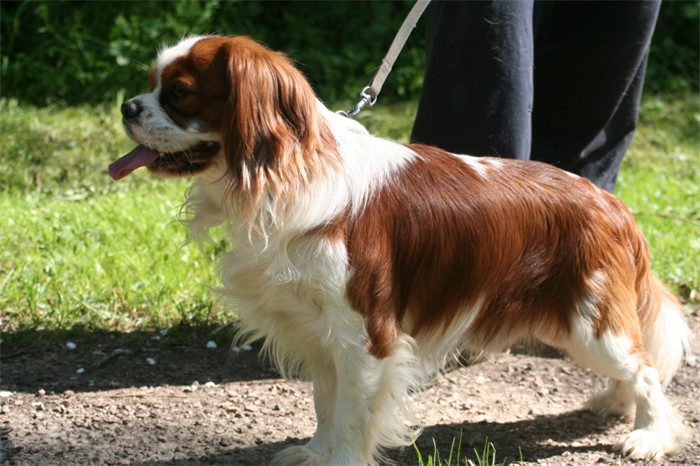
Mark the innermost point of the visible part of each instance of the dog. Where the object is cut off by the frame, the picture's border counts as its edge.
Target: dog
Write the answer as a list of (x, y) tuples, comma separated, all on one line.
[(366, 264)]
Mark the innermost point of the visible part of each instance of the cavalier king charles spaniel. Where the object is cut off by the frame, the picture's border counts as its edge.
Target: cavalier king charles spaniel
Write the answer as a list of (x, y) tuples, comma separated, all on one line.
[(365, 264)]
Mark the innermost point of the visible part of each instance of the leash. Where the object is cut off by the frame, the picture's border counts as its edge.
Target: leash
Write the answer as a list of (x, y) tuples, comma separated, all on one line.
[(368, 95)]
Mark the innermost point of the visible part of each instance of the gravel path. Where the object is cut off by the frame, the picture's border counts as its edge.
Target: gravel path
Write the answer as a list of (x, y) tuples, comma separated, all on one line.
[(126, 399)]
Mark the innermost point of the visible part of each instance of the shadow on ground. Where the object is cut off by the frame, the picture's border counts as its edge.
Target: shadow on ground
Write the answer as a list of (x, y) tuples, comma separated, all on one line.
[(93, 361), (533, 435)]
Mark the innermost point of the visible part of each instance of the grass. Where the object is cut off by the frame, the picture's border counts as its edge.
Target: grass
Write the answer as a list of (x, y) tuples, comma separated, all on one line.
[(660, 182), (485, 457), (81, 251), (84, 252)]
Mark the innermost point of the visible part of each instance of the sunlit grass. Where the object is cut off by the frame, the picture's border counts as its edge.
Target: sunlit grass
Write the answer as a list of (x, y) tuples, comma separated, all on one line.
[(81, 250), (660, 183), (460, 456), (109, 261)]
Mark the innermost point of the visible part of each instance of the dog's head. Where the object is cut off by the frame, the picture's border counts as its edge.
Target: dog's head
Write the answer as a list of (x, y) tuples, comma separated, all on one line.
[(226, 104)]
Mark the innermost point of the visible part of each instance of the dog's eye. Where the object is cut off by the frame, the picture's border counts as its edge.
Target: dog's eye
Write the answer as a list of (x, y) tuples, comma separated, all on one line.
[(178, 92)]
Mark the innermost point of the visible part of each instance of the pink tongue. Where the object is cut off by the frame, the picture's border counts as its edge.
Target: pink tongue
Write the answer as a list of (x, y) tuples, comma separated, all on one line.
[(141, 156)]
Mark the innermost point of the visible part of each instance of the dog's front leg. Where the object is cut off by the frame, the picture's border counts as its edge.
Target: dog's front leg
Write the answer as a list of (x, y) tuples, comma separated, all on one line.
[(317, 451), (371, 398), (325, 388), (354, 437), (344, 391)]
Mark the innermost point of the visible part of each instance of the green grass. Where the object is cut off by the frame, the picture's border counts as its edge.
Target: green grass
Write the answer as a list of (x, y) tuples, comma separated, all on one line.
[(484, 457), (81, 251), (112, 261), (660, 183)]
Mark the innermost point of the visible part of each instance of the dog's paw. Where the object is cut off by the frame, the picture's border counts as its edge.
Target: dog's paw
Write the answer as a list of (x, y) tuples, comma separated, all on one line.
[(642, 444), (299, 455), (609, 403)]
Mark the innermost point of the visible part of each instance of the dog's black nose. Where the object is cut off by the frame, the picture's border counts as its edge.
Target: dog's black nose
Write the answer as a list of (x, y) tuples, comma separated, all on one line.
[(131, 109)]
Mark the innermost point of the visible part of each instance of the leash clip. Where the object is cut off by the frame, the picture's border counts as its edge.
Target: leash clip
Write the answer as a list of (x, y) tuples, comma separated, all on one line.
[(375, 85), (365, 100)]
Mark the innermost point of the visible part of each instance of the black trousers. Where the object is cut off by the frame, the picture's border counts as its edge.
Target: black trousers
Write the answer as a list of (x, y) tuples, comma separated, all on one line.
[(559, 82)]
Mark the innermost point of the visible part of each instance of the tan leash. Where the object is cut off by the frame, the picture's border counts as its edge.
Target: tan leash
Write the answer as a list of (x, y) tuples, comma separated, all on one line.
[(368, 95)]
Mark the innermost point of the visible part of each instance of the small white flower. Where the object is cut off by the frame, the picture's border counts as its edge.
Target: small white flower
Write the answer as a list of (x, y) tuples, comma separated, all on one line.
[(211, 344), (70, 345)]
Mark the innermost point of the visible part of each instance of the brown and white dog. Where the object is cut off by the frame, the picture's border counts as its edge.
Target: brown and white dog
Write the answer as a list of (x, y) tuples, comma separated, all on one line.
[(366, 264)]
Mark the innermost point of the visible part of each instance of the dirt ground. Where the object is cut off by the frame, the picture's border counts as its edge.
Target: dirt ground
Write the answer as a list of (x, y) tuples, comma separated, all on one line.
[(153, 400)]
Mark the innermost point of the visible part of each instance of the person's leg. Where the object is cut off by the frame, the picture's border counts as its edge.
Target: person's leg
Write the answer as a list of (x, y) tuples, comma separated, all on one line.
[(477, 94), (590, 59)]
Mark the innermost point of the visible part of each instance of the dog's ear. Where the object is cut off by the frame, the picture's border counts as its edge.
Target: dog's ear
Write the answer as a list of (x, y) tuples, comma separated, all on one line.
[(270, 121)]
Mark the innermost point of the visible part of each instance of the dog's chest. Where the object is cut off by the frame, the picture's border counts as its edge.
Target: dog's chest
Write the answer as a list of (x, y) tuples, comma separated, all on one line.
[(286, 280)]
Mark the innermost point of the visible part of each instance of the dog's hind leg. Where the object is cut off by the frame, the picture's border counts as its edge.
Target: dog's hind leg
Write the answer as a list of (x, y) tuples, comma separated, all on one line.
[(658, 430), (616, 400)]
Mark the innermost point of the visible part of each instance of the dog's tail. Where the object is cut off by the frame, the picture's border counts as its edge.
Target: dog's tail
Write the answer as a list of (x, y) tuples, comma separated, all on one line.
[(666, 333)]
